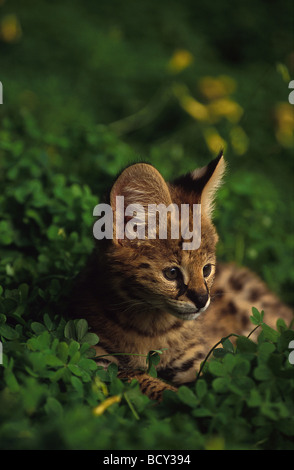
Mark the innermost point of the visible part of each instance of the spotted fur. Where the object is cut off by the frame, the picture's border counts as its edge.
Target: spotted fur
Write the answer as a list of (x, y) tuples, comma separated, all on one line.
[(134, 308)]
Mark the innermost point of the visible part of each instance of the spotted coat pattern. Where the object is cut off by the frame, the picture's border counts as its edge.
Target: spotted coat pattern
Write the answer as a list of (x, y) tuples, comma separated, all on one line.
[(132, 305)]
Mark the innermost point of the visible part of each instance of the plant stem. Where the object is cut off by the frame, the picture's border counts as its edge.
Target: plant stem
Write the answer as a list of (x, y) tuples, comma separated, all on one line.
[(211, 350), (131, 406)]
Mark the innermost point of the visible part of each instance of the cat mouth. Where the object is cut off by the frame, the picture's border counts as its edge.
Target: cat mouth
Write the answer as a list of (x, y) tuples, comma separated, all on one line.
[(185, 316), (186, 311)]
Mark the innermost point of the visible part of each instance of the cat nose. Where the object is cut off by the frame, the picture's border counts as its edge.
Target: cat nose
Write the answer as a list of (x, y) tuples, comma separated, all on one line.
[(199, 299), (202, 301)]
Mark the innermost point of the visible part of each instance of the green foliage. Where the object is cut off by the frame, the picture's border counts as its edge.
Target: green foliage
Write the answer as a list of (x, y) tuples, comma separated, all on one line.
[(53, 394)]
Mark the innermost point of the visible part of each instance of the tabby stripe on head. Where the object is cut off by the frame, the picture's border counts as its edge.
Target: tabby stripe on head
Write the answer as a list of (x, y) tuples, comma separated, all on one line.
[(144, 265)]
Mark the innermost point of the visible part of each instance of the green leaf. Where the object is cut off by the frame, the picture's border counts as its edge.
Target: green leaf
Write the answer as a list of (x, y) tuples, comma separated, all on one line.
[(153, 358), (37, 327), (70, 330), (221, 384), (52, 232), (75, 358), (187, 396), (284, 340), (77, 384), (116, 386), (90, 338), (245, 345), (59, 374), (201, 412), (7, 332), (112, 369), (265, 350), (81, 329), (23, 290), (270, 333), (11, 380), (219, 353), (242, 385), (48, 322), (201, 388), (255, 399), (241, 368), (227, 345), (281, 325), (152, 370), (73, 348), (53, 361), (75, 369), (6, 232), (44, 340), (62, 351), (262, 372), (88, 364), (53, 407), (216, 368), (229, 362), (257, 317)]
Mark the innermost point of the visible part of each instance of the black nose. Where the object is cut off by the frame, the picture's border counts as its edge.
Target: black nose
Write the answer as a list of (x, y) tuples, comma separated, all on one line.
[(199, 300)]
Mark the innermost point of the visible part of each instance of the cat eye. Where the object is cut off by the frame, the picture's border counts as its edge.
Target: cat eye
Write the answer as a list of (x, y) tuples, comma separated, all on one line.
[(207, 270), (171, 273)]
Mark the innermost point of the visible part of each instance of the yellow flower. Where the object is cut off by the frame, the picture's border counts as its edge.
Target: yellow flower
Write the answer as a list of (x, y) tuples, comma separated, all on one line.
[(215, 443), (213, 88), (10, 29), (213, 140), (224, 107), (284, 114), (283, 71), (239, 140), (195, 109), (180, 60), (99, 385), (61, 232), (99, 410)]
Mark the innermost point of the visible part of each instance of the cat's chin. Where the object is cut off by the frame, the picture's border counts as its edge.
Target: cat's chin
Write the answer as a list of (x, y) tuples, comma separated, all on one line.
[(187, 313), (185, 316)]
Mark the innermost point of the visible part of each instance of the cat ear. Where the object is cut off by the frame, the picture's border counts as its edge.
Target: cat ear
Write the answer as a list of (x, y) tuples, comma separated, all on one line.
[(139, 184), (210, 177), (204, 183)]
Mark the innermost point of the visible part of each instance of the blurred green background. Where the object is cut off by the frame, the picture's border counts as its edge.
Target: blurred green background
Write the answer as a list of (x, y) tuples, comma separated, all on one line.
[(89, 87)]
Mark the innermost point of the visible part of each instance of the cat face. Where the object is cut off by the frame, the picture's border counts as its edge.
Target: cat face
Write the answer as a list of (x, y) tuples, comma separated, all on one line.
[(158, 274)]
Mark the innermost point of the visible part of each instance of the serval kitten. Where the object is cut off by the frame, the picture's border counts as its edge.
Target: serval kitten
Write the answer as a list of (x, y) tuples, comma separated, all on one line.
[(146, 294)]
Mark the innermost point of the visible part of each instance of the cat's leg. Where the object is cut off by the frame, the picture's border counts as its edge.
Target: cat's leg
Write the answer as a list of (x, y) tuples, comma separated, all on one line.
[(150, 386)]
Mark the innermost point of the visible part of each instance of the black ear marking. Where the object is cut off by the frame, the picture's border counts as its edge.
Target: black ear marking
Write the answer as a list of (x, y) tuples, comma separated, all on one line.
[(203, 183), (197, 179)]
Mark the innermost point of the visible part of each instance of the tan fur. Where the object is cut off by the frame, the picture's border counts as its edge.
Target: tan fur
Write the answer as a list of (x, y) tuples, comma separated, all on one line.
[(209, 191), (134, 309)]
